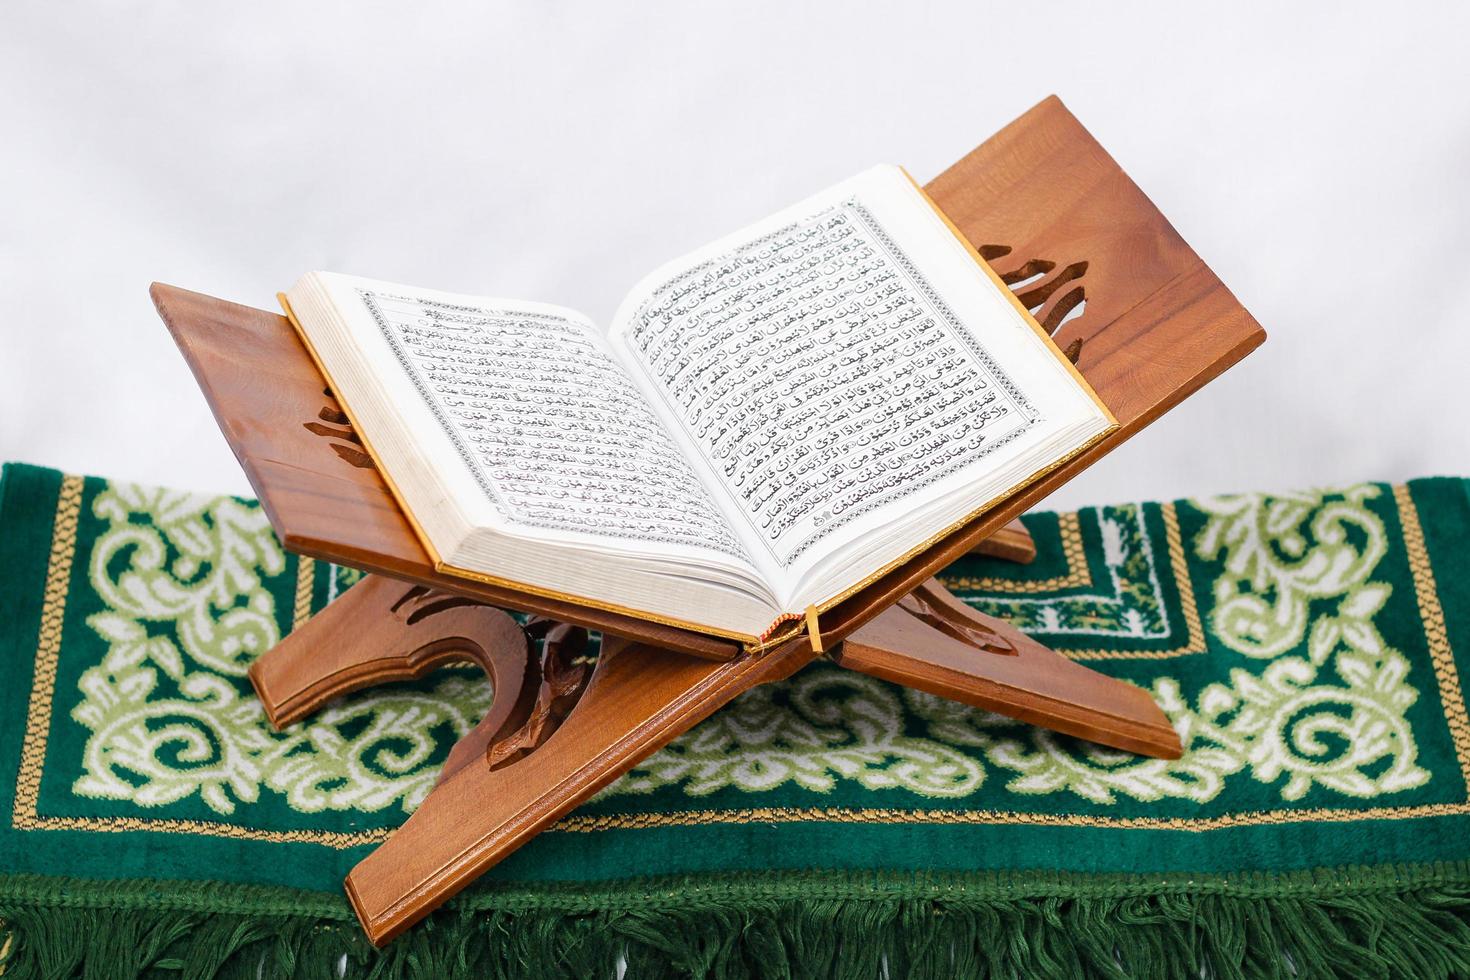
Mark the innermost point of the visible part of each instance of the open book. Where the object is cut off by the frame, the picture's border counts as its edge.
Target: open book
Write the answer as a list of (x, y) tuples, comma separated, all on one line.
[(766, 424)]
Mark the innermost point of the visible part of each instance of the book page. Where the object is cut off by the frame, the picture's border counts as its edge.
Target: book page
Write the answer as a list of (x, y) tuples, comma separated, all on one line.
[(835, 366), (545, 426)]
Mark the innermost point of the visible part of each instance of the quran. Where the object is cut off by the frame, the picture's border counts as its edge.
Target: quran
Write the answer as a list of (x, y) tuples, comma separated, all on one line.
[(764, 425)]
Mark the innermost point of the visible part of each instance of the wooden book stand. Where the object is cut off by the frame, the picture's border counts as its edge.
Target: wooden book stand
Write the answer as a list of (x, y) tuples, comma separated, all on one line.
[(1062, 224)]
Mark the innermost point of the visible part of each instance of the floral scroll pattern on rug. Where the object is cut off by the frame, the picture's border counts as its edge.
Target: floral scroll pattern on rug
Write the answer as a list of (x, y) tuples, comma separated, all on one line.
[(168, 707), (1334, 717), (1253, 619)]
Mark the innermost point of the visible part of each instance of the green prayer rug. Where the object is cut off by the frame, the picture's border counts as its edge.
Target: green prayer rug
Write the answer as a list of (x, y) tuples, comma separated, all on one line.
[(1309, 647)]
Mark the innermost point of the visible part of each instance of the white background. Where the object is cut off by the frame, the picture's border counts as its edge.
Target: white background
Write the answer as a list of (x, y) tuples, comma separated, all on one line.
[(1316, 155)]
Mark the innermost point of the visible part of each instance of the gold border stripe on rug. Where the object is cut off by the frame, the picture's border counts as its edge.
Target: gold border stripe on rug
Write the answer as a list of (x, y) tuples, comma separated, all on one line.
[(1436, 635), (774, 815), (1078, 575), (305, 574), (207, 828), (48, 645), (1194, 641)]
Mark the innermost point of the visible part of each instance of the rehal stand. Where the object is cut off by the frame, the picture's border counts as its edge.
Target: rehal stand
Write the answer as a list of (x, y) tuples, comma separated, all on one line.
[(1143, 318)]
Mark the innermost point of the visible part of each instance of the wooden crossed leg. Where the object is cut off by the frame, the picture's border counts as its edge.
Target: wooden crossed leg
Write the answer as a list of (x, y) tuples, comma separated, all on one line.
[(562, 725)]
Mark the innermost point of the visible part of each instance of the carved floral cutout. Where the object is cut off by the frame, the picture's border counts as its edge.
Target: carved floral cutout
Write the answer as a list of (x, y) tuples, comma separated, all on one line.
[(340, 431), (1054, 296)]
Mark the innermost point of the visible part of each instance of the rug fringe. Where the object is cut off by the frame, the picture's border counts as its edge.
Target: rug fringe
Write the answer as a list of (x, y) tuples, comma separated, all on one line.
[(1421, 928)]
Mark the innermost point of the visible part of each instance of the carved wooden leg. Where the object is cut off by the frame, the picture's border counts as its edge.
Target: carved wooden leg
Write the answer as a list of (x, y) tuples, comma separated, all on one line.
[(1011, 543), (523, 717), (559, 730), (933, 642), (382, 630), (639, 698), (347, 648)]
